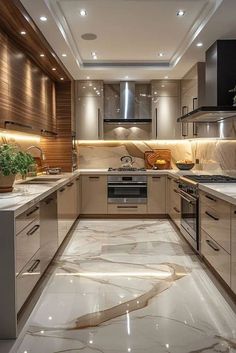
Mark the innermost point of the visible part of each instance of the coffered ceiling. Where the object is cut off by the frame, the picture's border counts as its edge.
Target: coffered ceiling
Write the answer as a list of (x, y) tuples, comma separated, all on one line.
[(128, 36)]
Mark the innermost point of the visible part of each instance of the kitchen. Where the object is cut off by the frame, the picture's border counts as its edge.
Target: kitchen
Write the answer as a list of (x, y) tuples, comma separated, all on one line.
[(118, 176)]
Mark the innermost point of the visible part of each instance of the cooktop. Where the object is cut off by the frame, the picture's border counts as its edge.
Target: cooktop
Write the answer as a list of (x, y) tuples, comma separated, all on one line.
[(211, 178)]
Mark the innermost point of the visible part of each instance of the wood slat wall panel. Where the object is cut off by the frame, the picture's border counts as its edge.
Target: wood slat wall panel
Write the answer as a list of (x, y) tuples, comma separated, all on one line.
[(26, 93), (58, 151)]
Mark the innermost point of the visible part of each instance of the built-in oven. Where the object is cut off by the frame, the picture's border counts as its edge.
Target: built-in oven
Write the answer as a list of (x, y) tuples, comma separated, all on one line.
[(127, 189), (189, 214)]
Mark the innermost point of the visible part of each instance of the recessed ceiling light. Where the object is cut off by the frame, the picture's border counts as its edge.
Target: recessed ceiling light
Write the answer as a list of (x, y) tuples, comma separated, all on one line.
[(42, 55), (64, 55), (161, 54), (166, 77), (88, 77), (200, 44), (126, 77), (53, 69), (180, 13), (61, 78), (162, 86), (94, 55), (23, 33), (83, 12), (43, 18)]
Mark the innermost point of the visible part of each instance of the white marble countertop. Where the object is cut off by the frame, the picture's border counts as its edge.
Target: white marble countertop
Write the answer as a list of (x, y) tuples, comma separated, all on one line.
[(226, 192), (25, 196)]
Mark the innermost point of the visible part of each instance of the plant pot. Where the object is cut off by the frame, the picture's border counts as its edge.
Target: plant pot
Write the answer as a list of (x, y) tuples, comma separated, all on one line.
[(6, 183)]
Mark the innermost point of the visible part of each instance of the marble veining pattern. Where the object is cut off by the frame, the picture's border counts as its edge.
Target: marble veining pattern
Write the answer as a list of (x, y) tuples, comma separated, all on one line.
[(129, 286)]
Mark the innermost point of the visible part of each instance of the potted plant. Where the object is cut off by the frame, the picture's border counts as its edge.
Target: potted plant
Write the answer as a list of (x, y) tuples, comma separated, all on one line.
[(12, 161)]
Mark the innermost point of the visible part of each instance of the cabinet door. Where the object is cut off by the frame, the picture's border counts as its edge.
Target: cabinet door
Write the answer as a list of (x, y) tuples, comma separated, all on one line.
[(94, 194), (48, 230), (89, 118), (78, 197), (233, 250), (157, 194), (166, 112)]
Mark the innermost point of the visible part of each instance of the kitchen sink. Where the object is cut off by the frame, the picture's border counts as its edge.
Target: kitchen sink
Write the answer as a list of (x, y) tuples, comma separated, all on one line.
[(41, 181)]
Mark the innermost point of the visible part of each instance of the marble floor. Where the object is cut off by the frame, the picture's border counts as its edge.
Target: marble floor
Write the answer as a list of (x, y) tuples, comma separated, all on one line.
[(129, 286)]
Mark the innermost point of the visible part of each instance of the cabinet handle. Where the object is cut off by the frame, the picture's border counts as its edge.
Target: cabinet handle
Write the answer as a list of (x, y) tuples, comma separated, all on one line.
[(176, 182), (32, 211), (234, 212), (6, 122), (49, 200), (33, 229), (169, 178), (210, 198), (34, 266), (176, 191), (48, 133), (70, 184), (93, 177), (156, 122), (184, 112), (127, 206), (156, 177), (176, 209), (195, 130), (77, 178), (194, 100), (63, 189), (212, 245), (99, 123), (211, 216)]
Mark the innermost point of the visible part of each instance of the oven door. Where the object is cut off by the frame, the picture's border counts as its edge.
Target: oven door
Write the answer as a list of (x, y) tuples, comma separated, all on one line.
[(127, 193), (189, 218)]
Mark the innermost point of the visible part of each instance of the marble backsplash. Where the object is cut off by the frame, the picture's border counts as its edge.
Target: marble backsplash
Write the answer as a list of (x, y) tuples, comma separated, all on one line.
[(213, 154)]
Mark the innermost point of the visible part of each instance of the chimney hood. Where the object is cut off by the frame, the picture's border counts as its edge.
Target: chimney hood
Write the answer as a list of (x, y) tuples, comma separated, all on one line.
[(127, 105), (220, 78)]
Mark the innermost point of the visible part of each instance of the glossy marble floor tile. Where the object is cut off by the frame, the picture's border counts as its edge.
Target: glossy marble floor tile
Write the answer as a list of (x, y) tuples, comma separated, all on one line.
[(129, 286)]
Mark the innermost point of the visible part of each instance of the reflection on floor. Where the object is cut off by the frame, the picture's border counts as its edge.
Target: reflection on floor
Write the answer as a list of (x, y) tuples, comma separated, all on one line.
[(129, 286)]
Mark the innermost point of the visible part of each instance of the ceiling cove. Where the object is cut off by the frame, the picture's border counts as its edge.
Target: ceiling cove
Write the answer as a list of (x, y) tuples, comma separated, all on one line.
[(130, 33)]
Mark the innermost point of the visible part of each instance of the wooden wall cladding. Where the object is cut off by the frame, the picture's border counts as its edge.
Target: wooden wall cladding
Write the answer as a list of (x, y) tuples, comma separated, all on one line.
[(58, 151), (27, 95)]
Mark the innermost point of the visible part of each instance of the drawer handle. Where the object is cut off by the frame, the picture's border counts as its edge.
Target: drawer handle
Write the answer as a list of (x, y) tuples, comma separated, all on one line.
[(49, 200), (212, 245), (34, 266), (211, 216), (33, 229), (210, 198), (77, 179), (169, 178), (176, 209), (127, 206), (156, 177), (176, 191), (32, 211), (63, 189), (93, 177), (70, 184), (176, 182)]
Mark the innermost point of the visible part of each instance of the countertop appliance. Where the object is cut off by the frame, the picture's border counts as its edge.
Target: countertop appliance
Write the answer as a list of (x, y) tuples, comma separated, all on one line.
[(220, 79), (127, 189), (188, 191)]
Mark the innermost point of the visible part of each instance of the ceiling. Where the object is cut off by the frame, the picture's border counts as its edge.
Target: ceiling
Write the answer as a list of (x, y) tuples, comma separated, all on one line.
[(131, 34)]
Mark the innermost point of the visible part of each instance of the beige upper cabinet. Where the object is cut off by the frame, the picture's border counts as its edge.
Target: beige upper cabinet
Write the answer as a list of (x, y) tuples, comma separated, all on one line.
[(156, 195), (165, 109), (89, 110), (192, 96), (94, 194)]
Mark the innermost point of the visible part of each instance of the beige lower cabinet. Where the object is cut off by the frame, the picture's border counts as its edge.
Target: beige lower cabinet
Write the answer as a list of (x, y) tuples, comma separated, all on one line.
[(156, 195), (233, 249), (127, 209), (174, 201), (216, 256), (94, 194)]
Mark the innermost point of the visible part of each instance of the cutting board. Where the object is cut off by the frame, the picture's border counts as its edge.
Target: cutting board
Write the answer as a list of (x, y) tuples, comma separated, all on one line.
[(150, 158)]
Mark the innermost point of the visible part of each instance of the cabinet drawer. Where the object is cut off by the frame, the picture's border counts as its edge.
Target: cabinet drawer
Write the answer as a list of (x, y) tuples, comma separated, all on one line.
[(156, 195), (126, 209), (175, 214), (26, 218), (27, 279), (27, 244), (216, 256), (216, 223)]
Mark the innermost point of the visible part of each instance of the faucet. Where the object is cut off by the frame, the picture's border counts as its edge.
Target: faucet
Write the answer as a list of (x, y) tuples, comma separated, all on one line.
[(42, 155)]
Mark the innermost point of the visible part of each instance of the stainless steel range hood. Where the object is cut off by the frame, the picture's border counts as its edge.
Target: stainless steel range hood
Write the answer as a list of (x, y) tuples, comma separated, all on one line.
[(127, 106), (220, 78)]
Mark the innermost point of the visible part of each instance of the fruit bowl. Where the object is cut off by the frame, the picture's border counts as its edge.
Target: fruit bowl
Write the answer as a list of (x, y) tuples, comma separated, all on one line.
[(184, 166)]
